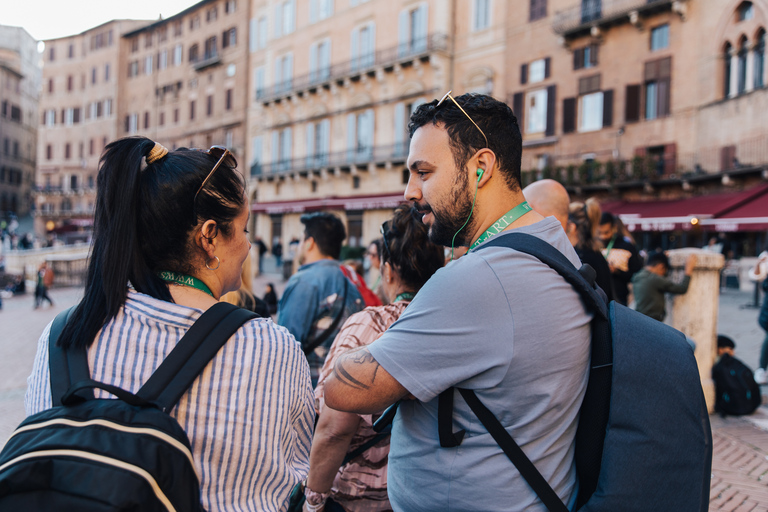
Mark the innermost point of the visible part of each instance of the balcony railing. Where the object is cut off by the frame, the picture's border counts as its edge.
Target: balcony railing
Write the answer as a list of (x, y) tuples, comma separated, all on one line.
[(359, 157), (208, 61), (389, 57), (602, 13), (748, 156)]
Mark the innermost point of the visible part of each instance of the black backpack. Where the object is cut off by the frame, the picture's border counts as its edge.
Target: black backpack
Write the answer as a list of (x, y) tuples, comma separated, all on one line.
[(643, 441), (736, 392), (128, 454)]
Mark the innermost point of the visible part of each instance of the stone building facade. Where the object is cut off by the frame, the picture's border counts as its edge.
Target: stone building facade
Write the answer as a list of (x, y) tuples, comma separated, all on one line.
[(184, 79), (78, 117), (627, 100), (19, 85), (333, 86)]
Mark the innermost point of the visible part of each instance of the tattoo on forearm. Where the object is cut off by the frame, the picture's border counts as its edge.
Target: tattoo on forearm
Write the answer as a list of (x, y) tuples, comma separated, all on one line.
[(361, 357)]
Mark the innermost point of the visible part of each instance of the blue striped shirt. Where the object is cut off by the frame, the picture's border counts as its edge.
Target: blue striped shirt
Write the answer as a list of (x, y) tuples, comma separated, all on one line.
[(249, 416)]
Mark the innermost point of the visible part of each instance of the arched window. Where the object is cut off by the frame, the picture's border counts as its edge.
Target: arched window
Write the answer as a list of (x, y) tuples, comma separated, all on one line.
[(741, 83), (759, 60), (727, 69), (745, 12)]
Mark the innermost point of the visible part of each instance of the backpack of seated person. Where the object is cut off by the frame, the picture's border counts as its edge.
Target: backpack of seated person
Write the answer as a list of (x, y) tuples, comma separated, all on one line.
[(124, 454), (736, 392), (643, 441)]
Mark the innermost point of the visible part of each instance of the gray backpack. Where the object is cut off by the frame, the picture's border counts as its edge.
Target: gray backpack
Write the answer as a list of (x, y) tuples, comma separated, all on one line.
[(644, 441)]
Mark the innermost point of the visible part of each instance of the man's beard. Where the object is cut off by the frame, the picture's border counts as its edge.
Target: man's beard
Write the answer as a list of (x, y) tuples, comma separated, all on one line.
[(447, 223)]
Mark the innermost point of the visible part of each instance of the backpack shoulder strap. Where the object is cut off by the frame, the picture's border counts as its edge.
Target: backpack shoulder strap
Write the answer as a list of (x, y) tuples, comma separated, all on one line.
[(193, 353), (513, 451), (540, 249), (66, 367)]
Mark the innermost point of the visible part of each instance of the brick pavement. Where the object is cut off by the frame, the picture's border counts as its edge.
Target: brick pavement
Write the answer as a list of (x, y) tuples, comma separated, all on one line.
[(740, 461)]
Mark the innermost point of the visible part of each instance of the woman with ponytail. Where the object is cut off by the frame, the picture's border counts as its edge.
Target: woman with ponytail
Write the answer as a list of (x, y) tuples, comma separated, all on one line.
[(407, 260), (169, 240)]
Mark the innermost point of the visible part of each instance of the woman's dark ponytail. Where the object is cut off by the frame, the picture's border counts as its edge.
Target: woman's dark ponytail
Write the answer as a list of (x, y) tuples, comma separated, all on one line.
[(115, 254)]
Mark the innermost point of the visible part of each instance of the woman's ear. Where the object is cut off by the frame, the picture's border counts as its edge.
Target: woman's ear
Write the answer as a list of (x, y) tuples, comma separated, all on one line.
[(207, 239)]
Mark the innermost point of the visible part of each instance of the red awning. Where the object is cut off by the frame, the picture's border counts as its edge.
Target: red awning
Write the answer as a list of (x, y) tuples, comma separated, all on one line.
[(748, 216), (379, 202), (683, 213)]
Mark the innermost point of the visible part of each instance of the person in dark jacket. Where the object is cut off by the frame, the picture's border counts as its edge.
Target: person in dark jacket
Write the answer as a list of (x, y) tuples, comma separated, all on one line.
[(270, 297), (650, 284), (623, 258)]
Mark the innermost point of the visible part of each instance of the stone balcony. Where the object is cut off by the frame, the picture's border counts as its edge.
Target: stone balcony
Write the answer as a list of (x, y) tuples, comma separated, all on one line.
[(368, 64), (593, 16)]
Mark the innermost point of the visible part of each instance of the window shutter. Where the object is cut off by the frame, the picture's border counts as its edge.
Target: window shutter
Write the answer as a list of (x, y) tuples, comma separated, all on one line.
[(287, 151), (369, 126), (399, 123), (278, 20), (524, 74), (518, 109), (632, 105), (578, 58), (353, 48), (313, 51), (607, 108), (325, 137), (351, 135), (547, 67), (589, 84), (313, 11), (651, 71), (727, 154), (310, 142), (402, 33), (569, 115), (422, 27), (593, 55), (551, 105), (670, 158), (663, 97), (275, 146)]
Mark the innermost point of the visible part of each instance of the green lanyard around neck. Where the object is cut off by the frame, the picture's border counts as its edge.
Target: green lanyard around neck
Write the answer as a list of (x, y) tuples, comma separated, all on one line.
[(405, 296), (185, 280), (610, 246), (503, 222)]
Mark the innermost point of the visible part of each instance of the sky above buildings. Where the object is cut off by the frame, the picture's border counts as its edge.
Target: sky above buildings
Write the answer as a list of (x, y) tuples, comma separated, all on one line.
[(50, 19)]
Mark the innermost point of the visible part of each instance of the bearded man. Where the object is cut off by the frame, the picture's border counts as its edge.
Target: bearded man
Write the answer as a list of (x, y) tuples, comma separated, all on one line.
[(495, 321)]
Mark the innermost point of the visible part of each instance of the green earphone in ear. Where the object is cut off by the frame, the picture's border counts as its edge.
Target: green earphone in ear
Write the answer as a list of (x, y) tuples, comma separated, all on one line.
[(480, 174)]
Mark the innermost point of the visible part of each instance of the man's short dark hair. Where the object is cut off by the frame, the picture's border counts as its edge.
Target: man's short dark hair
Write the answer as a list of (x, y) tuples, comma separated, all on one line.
[(725, 342), (657, 257), (494, 118), (326, 230), (607, 218)]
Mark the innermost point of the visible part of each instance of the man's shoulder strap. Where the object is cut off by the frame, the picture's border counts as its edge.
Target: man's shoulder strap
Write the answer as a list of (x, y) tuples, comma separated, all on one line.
[(581, 279)]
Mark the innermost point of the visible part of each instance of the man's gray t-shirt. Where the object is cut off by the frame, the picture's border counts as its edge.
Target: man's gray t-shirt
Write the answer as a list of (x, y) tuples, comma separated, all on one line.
[(505, 325)]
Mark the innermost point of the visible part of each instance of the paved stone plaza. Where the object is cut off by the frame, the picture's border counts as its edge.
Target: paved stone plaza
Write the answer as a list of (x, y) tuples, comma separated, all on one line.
[(740, 465)]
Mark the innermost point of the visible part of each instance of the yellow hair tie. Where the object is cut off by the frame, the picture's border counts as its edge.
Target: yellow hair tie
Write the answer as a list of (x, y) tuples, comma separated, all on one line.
[(156, 153)]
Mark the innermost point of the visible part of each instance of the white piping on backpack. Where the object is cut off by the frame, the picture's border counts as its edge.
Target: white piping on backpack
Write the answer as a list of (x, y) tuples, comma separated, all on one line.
[(97, 458), (115, 426)]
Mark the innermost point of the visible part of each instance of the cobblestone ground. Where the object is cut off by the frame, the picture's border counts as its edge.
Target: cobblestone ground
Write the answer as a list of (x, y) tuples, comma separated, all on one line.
[(740, 461)]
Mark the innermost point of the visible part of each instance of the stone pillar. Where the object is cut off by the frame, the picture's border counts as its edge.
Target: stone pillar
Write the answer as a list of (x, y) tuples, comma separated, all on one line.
[(695, 312)]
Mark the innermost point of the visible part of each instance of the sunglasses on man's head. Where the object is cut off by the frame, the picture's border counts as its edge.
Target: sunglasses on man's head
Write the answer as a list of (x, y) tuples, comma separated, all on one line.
[(449, 97), (222, 155)]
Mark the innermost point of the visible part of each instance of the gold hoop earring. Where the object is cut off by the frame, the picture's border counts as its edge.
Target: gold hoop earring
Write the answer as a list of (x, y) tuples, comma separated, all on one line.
[(218, 263)]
